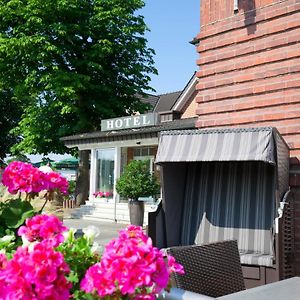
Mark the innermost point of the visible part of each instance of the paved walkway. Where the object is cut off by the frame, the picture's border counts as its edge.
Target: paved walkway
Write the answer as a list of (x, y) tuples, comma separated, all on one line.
[(108, 230)]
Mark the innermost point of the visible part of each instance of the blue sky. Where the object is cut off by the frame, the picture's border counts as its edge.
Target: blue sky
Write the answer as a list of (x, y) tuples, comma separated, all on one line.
[(173, 24)]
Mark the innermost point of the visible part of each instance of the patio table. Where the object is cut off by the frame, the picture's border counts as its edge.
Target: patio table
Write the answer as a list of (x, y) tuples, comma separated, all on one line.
[(179, 294), (280, 290)]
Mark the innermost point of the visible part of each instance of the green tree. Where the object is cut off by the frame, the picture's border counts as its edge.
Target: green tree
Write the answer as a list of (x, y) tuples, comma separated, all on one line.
[(73, 62), (10, 111)]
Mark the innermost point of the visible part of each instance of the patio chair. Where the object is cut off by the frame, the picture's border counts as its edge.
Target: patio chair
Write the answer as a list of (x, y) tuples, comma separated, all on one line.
[(212, 269)]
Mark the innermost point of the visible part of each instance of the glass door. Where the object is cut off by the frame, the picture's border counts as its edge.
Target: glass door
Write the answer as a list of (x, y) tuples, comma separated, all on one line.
[(105, 173)]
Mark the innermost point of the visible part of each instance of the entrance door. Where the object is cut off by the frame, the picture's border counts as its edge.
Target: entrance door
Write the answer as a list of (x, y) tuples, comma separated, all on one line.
[(105, 171)]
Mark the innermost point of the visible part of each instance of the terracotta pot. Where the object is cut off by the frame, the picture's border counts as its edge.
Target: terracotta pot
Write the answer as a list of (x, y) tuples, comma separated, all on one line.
[(136, 212)]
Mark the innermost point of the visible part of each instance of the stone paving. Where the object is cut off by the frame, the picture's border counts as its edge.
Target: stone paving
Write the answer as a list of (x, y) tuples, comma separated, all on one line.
[(108, 230)]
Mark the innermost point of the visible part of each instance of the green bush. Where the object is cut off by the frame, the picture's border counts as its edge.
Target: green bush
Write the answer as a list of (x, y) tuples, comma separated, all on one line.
[(136, 181), (72, 186)]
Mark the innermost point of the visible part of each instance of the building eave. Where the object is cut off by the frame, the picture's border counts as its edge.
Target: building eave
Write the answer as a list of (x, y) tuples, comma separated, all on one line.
[(186, 94), (127, 134)]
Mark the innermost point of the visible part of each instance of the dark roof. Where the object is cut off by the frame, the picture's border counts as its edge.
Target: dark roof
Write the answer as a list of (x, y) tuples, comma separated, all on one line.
[(149, 99), (166, 101), (127, 134)]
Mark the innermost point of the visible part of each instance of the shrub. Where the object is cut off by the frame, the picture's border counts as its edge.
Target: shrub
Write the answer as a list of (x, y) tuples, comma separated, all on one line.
[(136, 181)]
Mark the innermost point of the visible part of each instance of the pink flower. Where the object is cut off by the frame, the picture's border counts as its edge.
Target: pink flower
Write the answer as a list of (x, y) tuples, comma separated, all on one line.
[(23, 177), (98, 194), (101, 194), (3, 264), (130, 266), (108, 194), (35, 275), (56, 181), (43, 228), (174, 266), (3, 261)]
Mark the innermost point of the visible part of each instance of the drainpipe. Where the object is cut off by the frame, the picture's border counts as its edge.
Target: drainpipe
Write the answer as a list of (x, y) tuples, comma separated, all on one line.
[(93, 175), (235, 5)]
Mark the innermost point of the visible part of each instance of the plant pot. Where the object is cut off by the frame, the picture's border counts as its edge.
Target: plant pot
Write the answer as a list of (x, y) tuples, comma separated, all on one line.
[(136, 212)]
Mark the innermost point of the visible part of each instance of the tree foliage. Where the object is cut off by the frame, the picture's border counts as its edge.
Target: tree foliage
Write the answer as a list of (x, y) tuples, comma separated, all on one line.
[(73, 63), (10, 111)]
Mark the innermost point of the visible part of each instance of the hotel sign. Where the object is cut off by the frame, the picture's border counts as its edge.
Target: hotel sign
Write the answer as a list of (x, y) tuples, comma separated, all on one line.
[(129, 122)]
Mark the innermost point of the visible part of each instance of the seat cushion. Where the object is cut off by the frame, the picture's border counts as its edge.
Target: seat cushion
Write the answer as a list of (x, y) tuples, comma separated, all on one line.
[(249, 240), (257, 259)]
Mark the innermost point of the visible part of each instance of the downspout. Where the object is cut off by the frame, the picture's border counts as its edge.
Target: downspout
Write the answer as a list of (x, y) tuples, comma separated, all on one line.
[(235, 5), (117, 171)]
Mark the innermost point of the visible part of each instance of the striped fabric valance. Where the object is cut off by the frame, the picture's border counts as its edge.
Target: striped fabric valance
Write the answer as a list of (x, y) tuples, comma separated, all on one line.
[(235, 144)]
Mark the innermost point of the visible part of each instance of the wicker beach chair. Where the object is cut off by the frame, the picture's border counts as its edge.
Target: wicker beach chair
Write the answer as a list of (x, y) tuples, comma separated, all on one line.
[(212, 269)]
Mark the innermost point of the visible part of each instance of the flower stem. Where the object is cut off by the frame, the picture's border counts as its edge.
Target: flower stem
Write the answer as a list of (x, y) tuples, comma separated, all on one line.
[(43, 205)]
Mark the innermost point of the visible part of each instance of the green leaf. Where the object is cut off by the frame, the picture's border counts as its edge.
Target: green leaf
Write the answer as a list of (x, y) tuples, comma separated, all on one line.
[(15, 214), (73, 277)]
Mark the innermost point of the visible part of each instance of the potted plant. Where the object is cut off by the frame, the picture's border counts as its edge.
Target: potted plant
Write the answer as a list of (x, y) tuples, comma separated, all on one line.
[(137, 181)]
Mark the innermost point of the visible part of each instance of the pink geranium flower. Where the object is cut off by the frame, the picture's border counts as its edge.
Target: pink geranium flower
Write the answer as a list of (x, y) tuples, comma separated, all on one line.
[(56, 181), (99, 194), (103, 194), (43, 228), (130, 266), (24, 177), (35, 275)]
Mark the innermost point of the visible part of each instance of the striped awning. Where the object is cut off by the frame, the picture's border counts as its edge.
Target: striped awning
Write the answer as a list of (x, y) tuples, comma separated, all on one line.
[(233, 144)]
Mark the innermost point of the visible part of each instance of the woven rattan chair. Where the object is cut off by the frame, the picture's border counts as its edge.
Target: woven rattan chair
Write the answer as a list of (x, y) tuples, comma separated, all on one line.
[(213, 269)]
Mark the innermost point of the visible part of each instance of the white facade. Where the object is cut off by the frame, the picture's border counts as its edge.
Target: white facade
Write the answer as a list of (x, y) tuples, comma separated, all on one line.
[(112, 153)]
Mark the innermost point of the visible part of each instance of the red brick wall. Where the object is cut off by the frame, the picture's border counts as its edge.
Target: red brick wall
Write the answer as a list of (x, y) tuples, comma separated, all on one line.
[(250, 75), (250, 71), (216, 10)]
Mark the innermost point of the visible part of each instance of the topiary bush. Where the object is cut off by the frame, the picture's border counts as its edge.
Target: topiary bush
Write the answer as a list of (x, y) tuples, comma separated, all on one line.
[(137, 181)]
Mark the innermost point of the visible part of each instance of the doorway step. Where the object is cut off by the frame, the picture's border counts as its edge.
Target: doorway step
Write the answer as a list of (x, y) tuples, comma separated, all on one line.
[(105, 211)]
